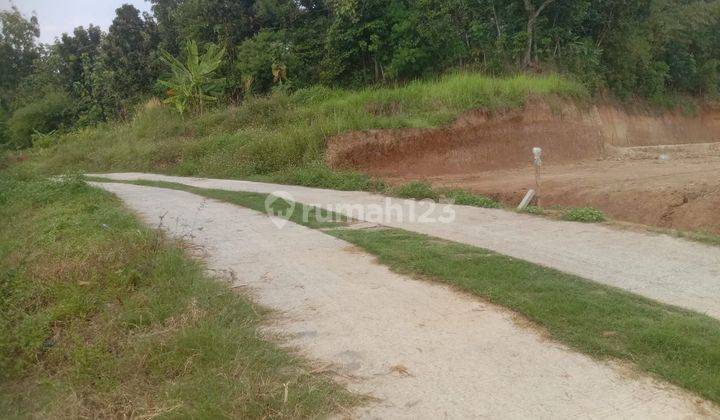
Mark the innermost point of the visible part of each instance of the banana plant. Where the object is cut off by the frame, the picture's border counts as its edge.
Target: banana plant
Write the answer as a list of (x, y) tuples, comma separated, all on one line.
[(192, 83)]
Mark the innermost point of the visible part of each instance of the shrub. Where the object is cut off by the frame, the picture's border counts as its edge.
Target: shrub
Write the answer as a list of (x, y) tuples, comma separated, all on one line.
[(466, 198), (416, 190), (50, 113), (584, 214)]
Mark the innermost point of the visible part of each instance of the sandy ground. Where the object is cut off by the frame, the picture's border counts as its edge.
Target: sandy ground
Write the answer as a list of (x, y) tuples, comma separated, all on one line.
[(668, 269), (422, 349)]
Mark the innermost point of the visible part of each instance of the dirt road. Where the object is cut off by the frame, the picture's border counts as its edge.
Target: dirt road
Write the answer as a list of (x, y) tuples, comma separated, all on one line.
[(422, 349), (661, 267)]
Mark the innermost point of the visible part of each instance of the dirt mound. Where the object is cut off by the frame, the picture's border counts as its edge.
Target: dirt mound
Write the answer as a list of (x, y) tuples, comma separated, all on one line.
[(478, 140), (481, 140), (656, 169)]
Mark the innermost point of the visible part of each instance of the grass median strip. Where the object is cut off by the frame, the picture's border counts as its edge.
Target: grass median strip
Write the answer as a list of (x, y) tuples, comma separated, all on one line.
[(680, 346), (102, 317)]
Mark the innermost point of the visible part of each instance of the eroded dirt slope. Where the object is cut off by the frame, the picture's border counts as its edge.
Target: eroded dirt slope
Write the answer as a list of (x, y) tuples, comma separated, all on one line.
[(655, 169)]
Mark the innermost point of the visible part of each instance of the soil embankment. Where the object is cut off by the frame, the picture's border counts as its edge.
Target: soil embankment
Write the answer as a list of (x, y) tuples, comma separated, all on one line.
[(647, 167)]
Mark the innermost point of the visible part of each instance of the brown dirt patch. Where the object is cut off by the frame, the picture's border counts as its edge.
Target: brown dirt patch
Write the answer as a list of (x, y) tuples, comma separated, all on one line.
[(601, 156), (679, 193)]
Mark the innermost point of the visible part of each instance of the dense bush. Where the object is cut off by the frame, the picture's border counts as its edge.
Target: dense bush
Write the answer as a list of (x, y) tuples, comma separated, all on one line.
[(53, 112)]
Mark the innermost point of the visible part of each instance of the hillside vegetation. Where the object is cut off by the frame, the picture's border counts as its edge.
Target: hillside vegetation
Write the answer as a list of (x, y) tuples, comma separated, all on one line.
[(648, 48), (279, 137)]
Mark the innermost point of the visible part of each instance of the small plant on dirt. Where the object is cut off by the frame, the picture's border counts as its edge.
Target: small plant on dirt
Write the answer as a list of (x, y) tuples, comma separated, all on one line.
[(417, 190), (584, 214), (466, 198), (536, 210)]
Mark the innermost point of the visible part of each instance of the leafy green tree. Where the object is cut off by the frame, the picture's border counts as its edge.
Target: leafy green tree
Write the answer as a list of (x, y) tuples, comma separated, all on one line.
[(130, 54), (193, 82), (77, 53), (17, 51), (259, 55), (356, 48), (164, 12), (222, 22)]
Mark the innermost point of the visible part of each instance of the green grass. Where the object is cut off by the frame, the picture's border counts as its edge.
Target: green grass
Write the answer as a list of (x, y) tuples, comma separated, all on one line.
[(534, 210), (416, 190), (282, 137), (466, 198), (680, 346), (584, 215), (103, 318)]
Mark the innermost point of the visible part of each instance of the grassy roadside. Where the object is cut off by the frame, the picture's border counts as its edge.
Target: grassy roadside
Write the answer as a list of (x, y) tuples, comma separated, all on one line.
[(281, 137), (677, 345), (103, 318)]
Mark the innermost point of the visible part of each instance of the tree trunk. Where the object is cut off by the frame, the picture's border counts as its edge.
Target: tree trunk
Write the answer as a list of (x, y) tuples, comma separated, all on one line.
[(533, 14), (528, 46)]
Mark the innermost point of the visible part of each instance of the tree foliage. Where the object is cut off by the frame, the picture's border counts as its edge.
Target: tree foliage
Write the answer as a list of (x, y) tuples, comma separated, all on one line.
[(17, 51), (130, 55), (630, 48)]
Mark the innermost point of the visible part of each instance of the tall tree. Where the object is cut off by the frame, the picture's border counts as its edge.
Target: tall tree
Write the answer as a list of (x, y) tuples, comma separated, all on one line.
[(130, 53), (78, 52), (18, 51), (164, 12), (533, 12)]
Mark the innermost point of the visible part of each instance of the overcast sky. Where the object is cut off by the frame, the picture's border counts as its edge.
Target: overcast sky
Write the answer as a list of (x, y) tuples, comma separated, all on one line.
[(58, 16)]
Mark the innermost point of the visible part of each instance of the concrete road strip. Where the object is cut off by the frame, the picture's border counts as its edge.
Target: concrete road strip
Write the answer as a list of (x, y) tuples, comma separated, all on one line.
[(422, 349), (667, 269)]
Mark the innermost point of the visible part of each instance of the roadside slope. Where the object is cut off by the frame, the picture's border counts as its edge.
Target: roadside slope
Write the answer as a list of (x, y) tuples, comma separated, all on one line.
[(424, 350), (667, 269)]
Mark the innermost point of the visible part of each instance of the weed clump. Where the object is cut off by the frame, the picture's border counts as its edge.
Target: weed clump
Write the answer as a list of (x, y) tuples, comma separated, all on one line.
[(466, 198), (535, 210), (417, 190), (584, 215)]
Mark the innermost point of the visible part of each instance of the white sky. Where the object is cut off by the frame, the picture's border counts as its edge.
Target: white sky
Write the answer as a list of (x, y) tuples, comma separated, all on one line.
[(58, 16)]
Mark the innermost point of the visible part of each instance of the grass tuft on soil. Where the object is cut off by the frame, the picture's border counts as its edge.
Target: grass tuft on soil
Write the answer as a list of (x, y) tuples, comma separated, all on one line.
[(677, 345), (466, 198), (584, 215), (416, 190), (102, 317), (282, 137)]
